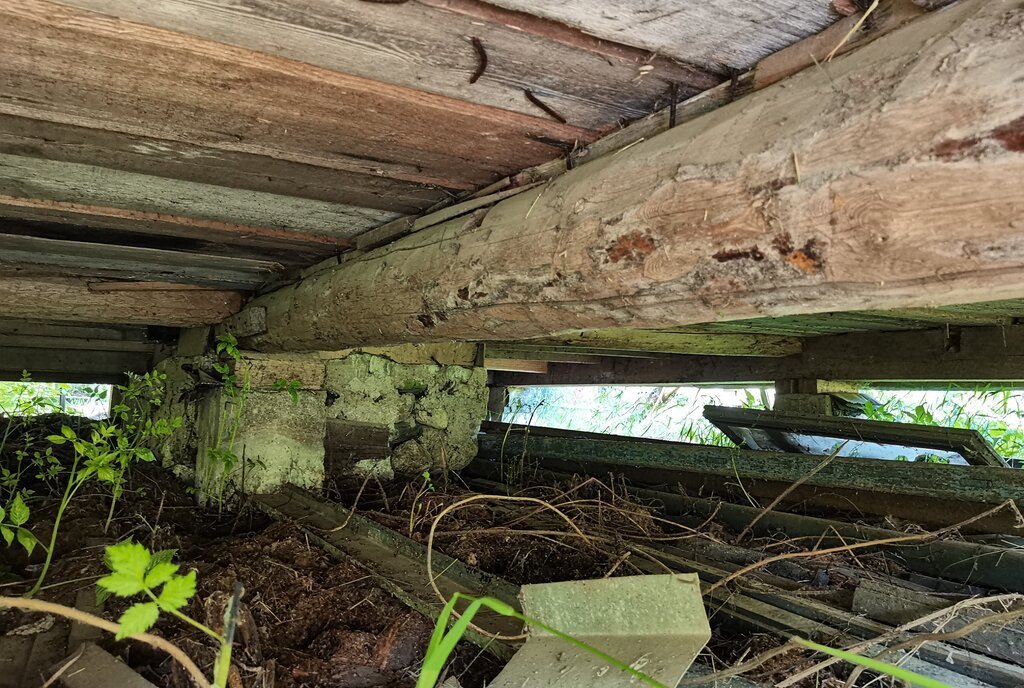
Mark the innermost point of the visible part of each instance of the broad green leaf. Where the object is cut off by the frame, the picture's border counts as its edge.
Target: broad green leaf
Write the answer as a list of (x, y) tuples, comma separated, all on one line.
[(178, 591), (27, 540), (162, 556), (3, 514), (145, 455), (67, 432), (129, 558), (57, 439), (8, 534), (138, 618), (160, 574), (121, 584), (18, 511)]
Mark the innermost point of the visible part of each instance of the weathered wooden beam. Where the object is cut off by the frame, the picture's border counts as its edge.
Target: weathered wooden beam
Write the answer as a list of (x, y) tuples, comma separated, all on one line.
[(864, 193), (71, 364), (81, 258), (72, 300), (667, 341), (967, 355), (661, 463)]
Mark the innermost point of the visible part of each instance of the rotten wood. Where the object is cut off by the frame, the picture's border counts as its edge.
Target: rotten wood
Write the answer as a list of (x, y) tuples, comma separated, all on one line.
[(689, 227)]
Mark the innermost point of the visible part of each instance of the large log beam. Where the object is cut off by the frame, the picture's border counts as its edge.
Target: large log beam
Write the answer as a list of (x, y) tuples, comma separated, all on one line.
[(68, 299), (889, 177)]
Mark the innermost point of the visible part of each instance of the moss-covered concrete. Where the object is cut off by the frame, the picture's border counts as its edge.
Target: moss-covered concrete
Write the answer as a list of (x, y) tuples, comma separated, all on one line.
[(431, 407)]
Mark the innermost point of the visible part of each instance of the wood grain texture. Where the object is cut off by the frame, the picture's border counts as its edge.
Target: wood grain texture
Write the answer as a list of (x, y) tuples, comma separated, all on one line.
[(71, 300), (236, 170), (716, 34), (80, 222), (429, 49), (35, 178), (71, 364), (908, 195), (82, 258), (86, 69)]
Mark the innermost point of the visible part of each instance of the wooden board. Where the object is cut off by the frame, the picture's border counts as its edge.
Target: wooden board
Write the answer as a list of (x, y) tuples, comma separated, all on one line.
[(65, 182), (430, 49), (713, 220), (207, 165), (82, 258), (72, 300), (71, 364), (75, 67), (716, 34)]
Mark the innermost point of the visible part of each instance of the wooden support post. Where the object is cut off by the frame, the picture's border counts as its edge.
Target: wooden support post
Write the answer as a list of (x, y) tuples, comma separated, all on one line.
[(850, 187)]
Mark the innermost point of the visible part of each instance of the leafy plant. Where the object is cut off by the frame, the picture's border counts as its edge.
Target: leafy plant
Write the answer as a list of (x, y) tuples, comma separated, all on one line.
[(290, 386), (221, 459), (134, 570), (106, 451), (11, 521)]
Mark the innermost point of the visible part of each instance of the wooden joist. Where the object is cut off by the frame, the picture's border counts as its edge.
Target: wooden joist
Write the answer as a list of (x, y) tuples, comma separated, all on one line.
[(968, 355), (73, 300), (850, 187), (71, 364)]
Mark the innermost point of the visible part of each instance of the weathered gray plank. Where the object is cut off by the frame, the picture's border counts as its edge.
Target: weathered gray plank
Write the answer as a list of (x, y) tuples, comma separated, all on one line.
[(72, 66), (427, 49), (717, 34), (133, 263), (35, 178), (366, 188)]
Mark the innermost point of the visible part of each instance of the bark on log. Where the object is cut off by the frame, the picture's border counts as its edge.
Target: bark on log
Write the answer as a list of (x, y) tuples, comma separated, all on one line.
[(887, 178)]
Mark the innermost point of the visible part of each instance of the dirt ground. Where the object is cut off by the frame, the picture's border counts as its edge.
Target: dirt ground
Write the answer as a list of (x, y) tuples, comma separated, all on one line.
[(307, 620)]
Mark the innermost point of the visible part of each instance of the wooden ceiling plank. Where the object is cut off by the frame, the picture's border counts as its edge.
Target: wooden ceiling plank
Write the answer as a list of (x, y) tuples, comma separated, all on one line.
[(85, 221), (238, 170), (35, 178), (593, 83), (38, 328), (71, 365), (128, 262), (665, 341), (72, 300), (719, 35), (897, 204), (77, 67), (42, 342)]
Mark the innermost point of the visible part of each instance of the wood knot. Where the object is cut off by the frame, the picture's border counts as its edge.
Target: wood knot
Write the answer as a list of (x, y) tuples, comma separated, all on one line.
[(632, 247)]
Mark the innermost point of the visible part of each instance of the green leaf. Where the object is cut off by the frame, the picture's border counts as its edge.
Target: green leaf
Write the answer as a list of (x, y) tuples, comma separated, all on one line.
[(129, 558), (145, 455), (27, 540), (178, 591), (139, 618), (160, 574), (57, 439), (3, 514), (18, 511), (162, 556), (121, 584), (67, 432), (8, 534)]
